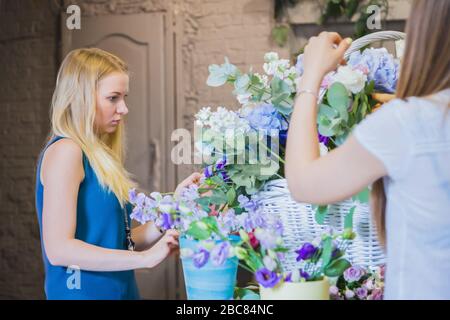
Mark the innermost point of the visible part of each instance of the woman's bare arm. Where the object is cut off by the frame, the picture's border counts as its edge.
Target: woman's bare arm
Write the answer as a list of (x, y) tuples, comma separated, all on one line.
[(61, 175), (345, 170)]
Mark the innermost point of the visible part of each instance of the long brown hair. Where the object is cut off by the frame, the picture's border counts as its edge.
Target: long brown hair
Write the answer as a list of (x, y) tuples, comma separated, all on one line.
[(425, 70)]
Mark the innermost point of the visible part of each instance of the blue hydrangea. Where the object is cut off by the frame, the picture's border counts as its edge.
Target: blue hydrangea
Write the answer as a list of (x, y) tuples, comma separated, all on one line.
[(379, 65), (266, 117)]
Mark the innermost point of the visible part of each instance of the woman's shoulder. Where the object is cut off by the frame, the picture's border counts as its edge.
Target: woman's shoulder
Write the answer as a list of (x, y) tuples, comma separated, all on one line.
[(63, 156)]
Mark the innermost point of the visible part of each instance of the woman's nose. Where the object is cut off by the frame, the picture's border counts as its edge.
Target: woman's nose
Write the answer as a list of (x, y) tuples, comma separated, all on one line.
[(122, 108)]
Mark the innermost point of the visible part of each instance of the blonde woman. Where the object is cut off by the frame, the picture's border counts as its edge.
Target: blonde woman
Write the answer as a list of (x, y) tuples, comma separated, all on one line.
[(82, 187), (406, 143)]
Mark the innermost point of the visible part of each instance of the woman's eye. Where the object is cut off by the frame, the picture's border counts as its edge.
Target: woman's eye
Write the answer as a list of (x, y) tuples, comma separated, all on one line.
[(112, 99)]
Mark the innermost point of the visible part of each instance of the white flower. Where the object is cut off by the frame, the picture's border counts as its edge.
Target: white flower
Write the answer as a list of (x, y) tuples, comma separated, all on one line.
[(349, 294), (353, 80), (263, 78), (278, 68), (244, 98), (269, 263), (270, 68), (203, 116), (271, 56), (323, 149), (400, 48), (295, 277)]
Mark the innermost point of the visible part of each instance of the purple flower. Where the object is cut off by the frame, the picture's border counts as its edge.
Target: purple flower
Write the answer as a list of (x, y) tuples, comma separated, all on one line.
[(288, 278), (220, 164), (361, 293), (220, 253), (354, 273), (349, 294), (200, 258), (267, 239), (334, 291), (224, 176), (208, 172), (267, 278), (304, 274), (323, 139), (167, 221), (138, 215), (190, 193), (132, 195), (247, 204), (306, 252)]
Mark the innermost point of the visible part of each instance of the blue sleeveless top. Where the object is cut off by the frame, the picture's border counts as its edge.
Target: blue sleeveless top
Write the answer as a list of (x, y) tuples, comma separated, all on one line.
[(100, 222)]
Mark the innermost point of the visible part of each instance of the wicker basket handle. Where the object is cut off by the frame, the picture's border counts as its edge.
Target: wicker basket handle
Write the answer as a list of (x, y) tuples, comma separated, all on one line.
[(372, 37)]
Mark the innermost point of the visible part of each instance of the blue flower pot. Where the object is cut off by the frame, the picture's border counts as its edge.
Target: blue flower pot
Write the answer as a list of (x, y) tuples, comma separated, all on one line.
[(209, 282)]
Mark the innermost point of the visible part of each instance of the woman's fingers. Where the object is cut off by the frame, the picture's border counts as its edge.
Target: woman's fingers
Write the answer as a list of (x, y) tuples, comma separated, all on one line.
[(173, 233), (343, 46), (334, 37)]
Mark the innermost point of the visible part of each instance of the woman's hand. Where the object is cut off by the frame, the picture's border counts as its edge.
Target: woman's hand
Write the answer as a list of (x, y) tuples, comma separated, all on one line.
[(163, 248), (193, 178), (323, 54)]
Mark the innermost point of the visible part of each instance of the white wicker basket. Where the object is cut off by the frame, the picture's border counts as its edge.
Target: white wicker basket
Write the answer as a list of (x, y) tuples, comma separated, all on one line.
[(299, 218)]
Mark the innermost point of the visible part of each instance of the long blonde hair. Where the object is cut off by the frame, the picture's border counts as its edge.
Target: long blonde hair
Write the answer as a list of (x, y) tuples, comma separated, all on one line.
[(425, 70), (73, 112)]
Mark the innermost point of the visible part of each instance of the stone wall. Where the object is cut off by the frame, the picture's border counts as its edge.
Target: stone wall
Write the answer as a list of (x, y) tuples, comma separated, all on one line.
[(28, 53)]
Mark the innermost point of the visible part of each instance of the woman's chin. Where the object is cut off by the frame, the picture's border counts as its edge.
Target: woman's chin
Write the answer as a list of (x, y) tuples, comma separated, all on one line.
[(111, 129)]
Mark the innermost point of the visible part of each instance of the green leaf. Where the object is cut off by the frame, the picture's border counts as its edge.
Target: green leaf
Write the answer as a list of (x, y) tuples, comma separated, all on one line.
[(328, 127), (339, 140), (362, 196), (355, 103), (280, 35), (204, 202), (231, 196), (241, 84), (370, 87), (321, 213), (326, 111), (338, 96), (327, 252), (337, 268), (348, 220), (254, 261), (218, 197), (281, 96), (198, 232)]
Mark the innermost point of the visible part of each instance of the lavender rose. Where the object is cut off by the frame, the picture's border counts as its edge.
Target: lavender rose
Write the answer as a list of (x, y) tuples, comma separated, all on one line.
[(354, 273), (267, 278)]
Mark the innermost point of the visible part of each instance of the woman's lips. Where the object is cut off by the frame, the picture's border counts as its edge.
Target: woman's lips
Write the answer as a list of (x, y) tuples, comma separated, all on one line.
[(115, 122)]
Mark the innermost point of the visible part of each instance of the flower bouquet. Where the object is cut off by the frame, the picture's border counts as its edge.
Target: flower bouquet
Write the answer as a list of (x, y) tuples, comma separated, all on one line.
[(317, 261), (358, 283), (347, 96)]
